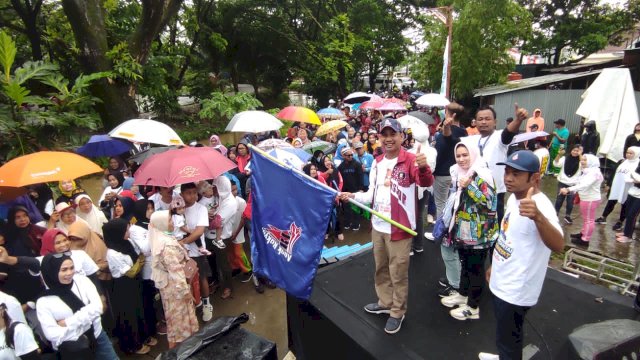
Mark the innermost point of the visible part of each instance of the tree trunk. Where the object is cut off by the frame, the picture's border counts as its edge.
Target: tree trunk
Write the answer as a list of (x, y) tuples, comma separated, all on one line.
[(155, 16), (29, 12), (87, 22)]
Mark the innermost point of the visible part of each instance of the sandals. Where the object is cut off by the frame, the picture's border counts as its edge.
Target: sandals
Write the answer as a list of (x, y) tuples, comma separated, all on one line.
[(151, 341), (144, 349), (226, 294)]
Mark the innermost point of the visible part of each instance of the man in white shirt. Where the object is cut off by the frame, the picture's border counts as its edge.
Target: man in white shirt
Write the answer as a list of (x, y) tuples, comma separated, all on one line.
[(493, 144), (529, 232), (197, 219)]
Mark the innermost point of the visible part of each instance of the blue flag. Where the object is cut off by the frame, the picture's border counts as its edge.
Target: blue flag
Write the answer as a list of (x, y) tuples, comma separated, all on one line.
[(289, 218)]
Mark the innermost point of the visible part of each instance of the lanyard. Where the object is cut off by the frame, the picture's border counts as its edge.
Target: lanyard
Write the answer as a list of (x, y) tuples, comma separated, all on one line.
[(481, 147)]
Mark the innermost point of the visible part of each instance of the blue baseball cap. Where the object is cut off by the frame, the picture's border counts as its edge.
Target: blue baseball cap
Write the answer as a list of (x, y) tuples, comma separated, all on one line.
[(523, 160), (390, 123)]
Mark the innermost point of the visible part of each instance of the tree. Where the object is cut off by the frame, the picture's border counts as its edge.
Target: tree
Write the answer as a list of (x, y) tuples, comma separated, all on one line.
[(28, 11), (483, 32), (87, 19), (565, 28)]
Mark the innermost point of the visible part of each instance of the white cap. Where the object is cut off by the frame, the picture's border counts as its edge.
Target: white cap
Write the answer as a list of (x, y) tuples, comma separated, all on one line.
[(331, 101)]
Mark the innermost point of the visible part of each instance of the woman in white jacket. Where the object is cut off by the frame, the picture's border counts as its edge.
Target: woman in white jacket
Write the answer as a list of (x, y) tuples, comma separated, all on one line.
[(69, 311), (588, 187)]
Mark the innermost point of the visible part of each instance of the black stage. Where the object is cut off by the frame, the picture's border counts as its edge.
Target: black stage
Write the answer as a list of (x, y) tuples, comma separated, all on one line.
[(333, 325)]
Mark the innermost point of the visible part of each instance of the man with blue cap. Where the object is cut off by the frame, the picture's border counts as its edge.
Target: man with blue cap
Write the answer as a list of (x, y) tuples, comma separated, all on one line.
[(530, 230)]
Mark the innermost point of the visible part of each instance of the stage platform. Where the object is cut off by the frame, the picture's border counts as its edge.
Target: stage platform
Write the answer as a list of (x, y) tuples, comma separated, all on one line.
[(333, 325)]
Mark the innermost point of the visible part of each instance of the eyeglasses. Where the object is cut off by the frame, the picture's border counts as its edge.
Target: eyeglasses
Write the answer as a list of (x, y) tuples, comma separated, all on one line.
[(59, 255), (348, 155)]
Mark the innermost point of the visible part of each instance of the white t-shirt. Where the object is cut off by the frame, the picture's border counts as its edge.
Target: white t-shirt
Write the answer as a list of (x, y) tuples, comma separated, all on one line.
[(82, 262), (543, 157), (493, 151), (139, 237), (520, 258), (178, 222), (196, 215), (382, 202), (237, 219), (13, 307), (23, 342), (158, 204)]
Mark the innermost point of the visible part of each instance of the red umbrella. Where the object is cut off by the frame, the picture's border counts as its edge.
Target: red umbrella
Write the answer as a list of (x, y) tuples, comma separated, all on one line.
[(180, 166), (372, 104)]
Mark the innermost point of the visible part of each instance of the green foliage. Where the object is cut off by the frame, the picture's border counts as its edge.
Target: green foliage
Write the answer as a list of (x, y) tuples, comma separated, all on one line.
[(220, 107), (570, 30), (483, 32), (125, 67)]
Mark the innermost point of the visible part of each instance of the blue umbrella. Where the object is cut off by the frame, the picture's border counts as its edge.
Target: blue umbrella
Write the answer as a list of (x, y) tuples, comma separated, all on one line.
[(103, 145), (330, 113)]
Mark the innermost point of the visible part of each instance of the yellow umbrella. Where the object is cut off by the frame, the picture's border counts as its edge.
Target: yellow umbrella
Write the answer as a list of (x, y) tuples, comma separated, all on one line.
[(299, 113), (45, 166), (330, 126)]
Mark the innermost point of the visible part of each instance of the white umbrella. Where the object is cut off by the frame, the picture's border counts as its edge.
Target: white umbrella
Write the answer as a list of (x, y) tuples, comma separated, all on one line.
[(434, 100), (146, 131), (274, 144), (528, 136), (359, 97), (253, 121)]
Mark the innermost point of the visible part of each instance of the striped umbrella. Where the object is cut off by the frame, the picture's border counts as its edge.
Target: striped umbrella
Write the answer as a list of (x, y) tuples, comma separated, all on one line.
[(331, 113)]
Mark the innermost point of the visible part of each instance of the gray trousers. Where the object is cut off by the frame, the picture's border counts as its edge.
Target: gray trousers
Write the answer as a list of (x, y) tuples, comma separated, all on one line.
[(449, 254)]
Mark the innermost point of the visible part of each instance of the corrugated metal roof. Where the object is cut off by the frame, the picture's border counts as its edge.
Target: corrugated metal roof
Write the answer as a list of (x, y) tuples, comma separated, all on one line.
[(517, 85)]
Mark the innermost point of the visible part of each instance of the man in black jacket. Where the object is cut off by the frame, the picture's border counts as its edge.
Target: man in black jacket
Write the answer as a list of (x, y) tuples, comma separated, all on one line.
[(351, 171)]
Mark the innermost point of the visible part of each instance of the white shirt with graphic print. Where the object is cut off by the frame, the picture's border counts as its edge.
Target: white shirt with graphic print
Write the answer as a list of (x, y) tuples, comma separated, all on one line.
[(520, 258)]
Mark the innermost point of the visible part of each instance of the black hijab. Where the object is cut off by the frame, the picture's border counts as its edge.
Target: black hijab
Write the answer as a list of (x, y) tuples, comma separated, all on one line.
[(50, 269), (334, 179), (44, 195), (23, 241), (128, 205), (571, 163), (114, 232), (140, 212)]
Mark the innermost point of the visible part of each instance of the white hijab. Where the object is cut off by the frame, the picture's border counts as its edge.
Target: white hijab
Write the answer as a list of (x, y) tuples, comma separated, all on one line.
[(95, 218), (630, 165)]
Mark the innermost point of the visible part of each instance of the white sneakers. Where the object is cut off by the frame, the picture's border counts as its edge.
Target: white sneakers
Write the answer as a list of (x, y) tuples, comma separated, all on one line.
[(454, 299), (429, 236), (488, 356), (465, 312), (207, 312)]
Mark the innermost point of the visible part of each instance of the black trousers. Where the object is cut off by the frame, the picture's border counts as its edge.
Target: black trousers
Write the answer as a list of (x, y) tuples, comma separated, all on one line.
[(509, 323), (472, 274), (611, 204), (561, 198), (418, 240)]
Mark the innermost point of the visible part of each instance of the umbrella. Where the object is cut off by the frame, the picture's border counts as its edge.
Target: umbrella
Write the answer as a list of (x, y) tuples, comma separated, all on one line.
[(324, 146), (180, 166), (299, 113), (253, 121), (288, 157), (416, 94), (434, 100), (413, 123), (330, 113), (299, 152), (372, 104), (274, 144), (330, 126), (8, 193), (395, 100), (528, 136), (358, 97), (146, 131), (424, 117), (140, 157), (392, 106), (103, 145), (45, 166)]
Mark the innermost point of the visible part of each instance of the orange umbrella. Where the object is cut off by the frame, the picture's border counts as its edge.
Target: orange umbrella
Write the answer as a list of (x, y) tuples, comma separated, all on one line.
[(45, 166), (299, 113)]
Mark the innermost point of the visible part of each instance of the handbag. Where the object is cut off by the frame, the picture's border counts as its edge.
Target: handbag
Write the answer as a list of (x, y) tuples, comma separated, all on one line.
[(138, 265), (190, 269)]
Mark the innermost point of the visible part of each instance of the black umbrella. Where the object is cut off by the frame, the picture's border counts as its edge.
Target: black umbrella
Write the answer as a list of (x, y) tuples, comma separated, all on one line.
[(140, 157), (424, 117)]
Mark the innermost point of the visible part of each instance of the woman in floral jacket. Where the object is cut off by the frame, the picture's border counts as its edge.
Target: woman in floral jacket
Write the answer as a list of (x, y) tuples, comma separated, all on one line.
[(474, 228)]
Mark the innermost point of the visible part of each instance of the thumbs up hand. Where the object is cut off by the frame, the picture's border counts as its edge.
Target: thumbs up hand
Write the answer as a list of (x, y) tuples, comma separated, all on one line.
[(421, 159), (521, 113), (528, 206)]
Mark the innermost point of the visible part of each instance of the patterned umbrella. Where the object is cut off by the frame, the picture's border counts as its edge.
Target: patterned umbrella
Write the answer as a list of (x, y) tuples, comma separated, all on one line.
[(331, 113), (324, 146), (274, 144), (330, 126)]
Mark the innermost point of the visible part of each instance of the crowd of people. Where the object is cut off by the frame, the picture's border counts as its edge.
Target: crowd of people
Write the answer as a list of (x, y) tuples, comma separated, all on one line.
[(67, 257)]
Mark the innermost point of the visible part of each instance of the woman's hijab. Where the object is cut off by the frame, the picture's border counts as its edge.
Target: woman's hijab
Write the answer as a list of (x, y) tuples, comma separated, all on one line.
[(477, 165), (120, 179), (70, 193), (50, 270), (571, 163), (114, 232), (25, 241), (140, 213), (94, 218), (630, 165), (593, 166), (128, 205), (44, 196), (49, 240), (82, 237), (334, 178), (122, 167), (159, 235)]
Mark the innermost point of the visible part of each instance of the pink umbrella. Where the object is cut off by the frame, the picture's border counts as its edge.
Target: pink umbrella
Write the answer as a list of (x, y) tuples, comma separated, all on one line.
[(372, 104), (396, 100), (392, 106), (181, 166)]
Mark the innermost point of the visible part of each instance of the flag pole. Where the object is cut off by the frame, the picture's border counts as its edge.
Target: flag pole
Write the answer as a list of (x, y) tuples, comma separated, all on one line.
[(362, 206)]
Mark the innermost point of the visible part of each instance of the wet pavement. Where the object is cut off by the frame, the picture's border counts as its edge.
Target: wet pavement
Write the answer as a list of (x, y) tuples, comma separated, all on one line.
[(267, 311)]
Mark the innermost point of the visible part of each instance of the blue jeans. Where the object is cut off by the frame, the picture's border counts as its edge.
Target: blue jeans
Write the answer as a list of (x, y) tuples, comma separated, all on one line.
[(451, 264), (104, 348)]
